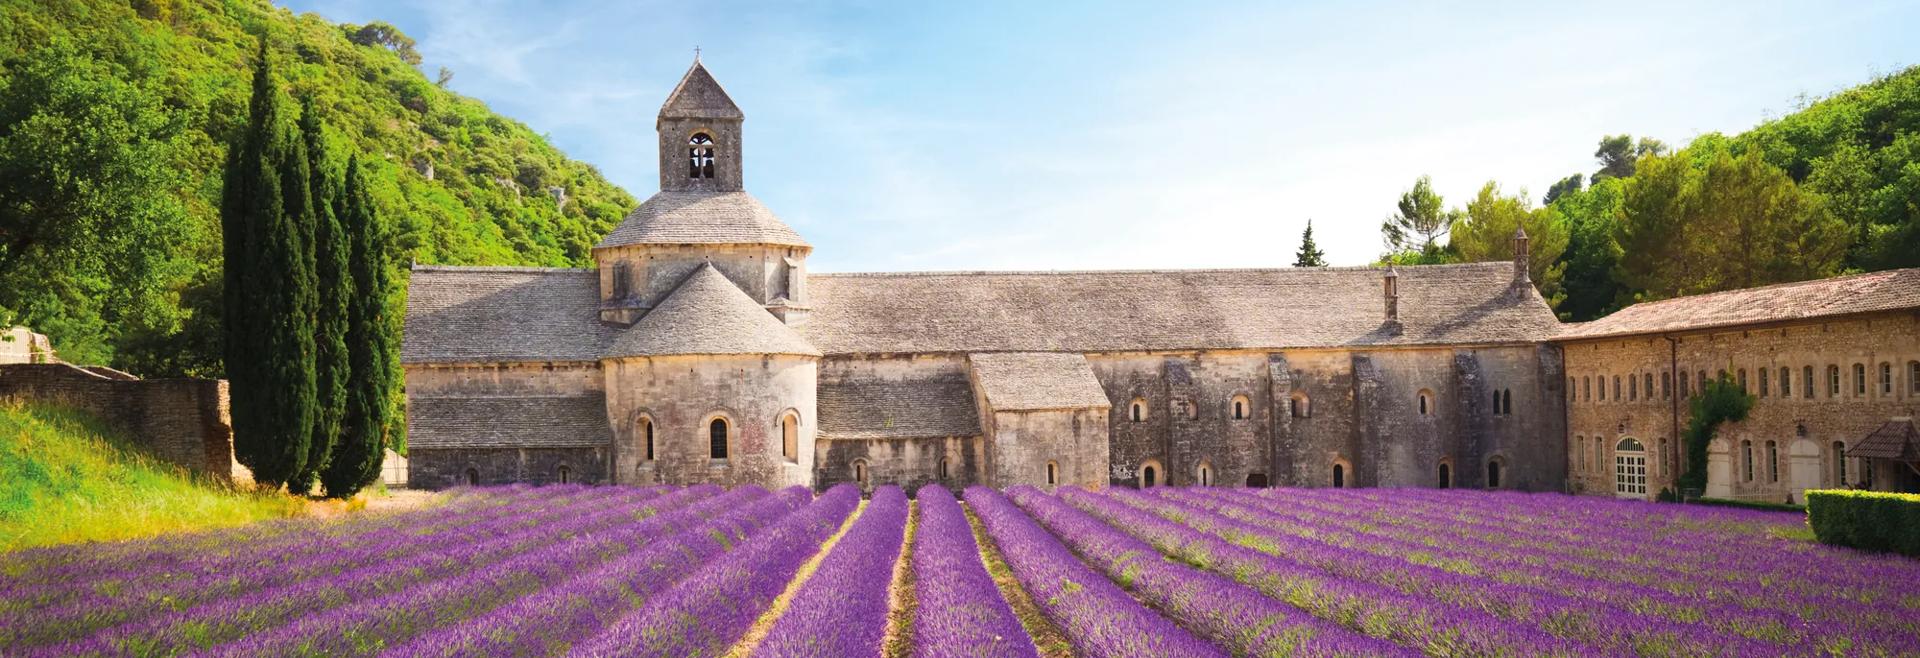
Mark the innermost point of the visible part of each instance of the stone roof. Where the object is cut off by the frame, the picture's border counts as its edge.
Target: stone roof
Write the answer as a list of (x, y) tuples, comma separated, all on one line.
[(1896, 440), (573, 421), (702, 217), (1142, 310), (1033, 381), (699, 96), (502, 314), (1861, 293), (707, 314), (935, 407)]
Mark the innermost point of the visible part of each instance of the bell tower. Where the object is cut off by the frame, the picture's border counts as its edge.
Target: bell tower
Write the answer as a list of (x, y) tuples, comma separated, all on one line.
[(699, 128)]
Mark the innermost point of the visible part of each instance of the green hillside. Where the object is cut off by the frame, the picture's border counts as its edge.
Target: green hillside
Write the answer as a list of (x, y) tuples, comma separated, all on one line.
[(114, 123), (64, 477)]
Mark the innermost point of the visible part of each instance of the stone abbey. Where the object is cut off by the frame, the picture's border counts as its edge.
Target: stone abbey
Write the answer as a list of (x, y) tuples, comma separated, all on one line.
[(700, 349)]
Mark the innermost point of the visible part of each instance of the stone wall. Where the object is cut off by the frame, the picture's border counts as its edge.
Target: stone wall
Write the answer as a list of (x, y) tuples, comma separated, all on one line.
[(1023, 443), (681, 395), (19, 345), (909, 463), (442, 468), (1600, 419), (180, 421), (764, 272)]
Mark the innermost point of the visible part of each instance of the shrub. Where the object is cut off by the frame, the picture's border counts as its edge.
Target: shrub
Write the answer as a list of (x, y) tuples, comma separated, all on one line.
[(1750, 504), (1870, 520)]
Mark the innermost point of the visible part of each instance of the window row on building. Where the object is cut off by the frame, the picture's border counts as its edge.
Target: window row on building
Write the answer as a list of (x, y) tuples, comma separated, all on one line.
[(720, 437), (1859, 380)]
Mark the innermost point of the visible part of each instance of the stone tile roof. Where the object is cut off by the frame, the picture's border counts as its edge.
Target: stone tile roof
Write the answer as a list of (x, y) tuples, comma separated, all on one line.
[(707, 314), (574, 421), (1032, 381), (934, 407), (502, 314), (1895, 440), (1170, 310), (702, 217), (1860, 293), (699, 96)]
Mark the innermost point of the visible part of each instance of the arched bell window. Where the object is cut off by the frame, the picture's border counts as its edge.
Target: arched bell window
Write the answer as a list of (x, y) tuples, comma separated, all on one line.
[(717, 432), (700, 156)]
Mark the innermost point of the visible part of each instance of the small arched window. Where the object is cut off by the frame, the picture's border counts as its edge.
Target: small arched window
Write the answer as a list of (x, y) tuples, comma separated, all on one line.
[(1765, 389), (1684, 387), (1647, 384), (1616, 388), (1886, 379), (1242, 407), (646, 438), (1495, 467), (1666, 386), (1773, 461), (717, 438), (1300, 405), (1446, 475), (700, 156), (473, 477), (1633, 389), (564, 474), (1859, 379), (1506, 402), (1053, 474), (1147, 474), (1746, 460), (944, 472), (1603, 389), (1339, 475), (860, 472), (1580, 452), (790, 436), (1806, 382), (1786, 382), (1586, 389), (1833, 381), (1426, 402), (1204, 474), (1137, 412)]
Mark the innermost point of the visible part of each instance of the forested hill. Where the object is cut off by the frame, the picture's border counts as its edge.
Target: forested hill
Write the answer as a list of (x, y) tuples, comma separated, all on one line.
[(114, 123)]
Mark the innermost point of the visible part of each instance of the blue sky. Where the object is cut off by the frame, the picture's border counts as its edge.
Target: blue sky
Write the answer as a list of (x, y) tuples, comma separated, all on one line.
[(1069, 135)]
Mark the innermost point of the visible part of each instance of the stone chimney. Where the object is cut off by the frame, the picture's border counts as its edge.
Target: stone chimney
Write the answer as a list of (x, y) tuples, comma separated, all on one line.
[(1392, 283), (1521, 275)]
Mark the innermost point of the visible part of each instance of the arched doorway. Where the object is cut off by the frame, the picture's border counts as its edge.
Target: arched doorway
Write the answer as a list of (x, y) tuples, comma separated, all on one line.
[(1446, 475), (1256, 480), (1629, 468), (1146, 477)]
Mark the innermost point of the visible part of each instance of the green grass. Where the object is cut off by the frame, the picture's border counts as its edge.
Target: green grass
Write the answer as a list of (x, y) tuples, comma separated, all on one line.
[(67, 477)]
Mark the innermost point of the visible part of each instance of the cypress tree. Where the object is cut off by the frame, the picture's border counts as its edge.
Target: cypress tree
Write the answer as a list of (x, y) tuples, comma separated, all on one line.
[(1309, 254), (371, 346), (335, 287), (265, 213)]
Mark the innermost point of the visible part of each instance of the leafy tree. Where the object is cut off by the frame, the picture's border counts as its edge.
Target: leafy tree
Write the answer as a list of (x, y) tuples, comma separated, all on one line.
[(335, 289), (1719, 401), (372, 347), (1618, 153), (1422, 221), (1486, 230), (385, 34), (266, 213), (90, 218), (1309, 254), (1562, 188), (1587, 282)]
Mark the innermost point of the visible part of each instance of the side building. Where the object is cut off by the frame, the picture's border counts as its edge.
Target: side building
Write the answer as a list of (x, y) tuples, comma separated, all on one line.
[(1833, 364)]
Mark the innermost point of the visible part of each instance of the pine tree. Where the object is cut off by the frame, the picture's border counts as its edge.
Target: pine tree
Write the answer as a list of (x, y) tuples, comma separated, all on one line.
[(330, 250), (265, 212), (1309, 254), (371, 345)]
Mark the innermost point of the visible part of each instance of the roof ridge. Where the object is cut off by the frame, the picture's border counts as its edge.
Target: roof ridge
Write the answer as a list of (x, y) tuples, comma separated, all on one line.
[(1776, 286), (1201, 270), (500, 268)]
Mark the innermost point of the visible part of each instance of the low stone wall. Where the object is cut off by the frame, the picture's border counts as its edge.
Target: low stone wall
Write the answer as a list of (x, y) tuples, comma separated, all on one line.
[(439, 468), (180, 421)]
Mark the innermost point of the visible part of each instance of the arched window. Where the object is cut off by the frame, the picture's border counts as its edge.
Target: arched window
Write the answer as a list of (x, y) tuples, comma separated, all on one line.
[(1149, 475), (790, 436), (1859, 379), (1630, 468), (1839, 464), (1053, 473), (1806, 382), (1886, 379), (1204, 474), (860, 472), (1647, 385), (1616, 388), (1773, 462), (1495, 467), (700, 156), (717, 438), (1603, 389), (1496, 402), (1666, 386), (1746, 460), (1299, 405), (1580, 452), (1506, 402), (1586, 389), (1633, 389), (1137, 412), (1242, 407), (646, 438), (473, 477), (1786, 382), (1446, 475), (564, 474), (1684, 390), (1339, 475), (944, 472), (1426, 402), (1833, 381)]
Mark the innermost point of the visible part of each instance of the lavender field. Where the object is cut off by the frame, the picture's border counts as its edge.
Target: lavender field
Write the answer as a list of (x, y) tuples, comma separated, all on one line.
[(702, 571)]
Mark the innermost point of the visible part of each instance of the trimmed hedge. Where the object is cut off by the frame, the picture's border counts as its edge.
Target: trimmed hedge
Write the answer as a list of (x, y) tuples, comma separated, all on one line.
[(1749, 504), (1871, 520)]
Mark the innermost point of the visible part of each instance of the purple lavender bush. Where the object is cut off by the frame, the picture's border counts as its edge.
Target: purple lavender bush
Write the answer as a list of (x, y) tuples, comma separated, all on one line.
[(960, 612), (841, 610)]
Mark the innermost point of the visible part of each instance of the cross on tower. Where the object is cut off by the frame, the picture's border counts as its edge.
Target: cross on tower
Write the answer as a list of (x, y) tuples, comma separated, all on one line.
[(696, 53)]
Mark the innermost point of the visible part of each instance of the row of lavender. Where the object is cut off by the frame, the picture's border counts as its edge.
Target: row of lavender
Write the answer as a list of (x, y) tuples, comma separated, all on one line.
[(698, 571)]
